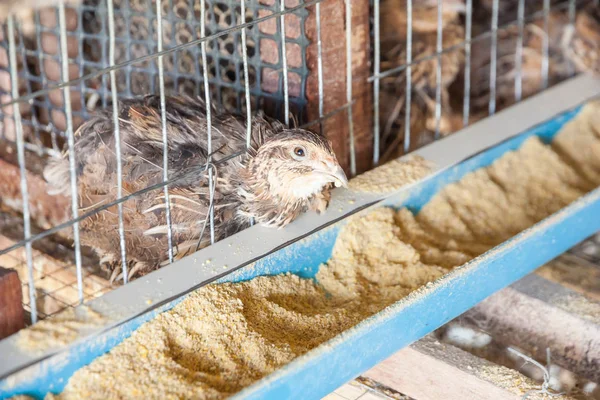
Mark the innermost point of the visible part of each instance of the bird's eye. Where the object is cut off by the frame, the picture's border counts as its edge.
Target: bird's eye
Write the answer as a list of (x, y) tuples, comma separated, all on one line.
[(299, 153)]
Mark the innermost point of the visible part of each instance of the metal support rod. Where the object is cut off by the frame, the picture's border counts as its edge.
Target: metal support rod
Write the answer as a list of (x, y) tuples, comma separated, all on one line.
[(438, 71), (408, 75), (320, 62), (376, 82), (493, 58), (117, 132), (246, 79), (349, 85), (163, 117), (71, 144), (286, 89), (572, 16), (12, 54), (467, 87), (519, 51), (211, 190), (546, 45)]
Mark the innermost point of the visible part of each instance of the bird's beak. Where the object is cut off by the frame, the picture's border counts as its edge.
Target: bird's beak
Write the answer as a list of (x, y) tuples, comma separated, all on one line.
[(340, 177), (334, 173)]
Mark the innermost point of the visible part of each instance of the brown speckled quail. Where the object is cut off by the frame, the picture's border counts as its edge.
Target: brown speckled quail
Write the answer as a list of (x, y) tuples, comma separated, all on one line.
[(567, 46), (285, 173), (424, 79)]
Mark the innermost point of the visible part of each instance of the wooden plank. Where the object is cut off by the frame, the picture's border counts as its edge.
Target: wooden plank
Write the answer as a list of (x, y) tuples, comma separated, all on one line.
[(12, 316), (535, 313), (336, 127), (429, 369)]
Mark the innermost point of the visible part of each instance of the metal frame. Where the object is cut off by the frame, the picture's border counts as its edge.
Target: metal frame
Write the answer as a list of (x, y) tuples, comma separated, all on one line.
[(309, 241)]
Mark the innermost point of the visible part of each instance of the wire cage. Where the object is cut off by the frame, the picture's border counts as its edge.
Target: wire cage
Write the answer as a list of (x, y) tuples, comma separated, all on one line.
[(378, 78)]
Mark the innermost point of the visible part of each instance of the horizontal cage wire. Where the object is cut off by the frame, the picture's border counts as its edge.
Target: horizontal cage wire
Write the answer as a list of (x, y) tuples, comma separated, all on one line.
[(436, 67)]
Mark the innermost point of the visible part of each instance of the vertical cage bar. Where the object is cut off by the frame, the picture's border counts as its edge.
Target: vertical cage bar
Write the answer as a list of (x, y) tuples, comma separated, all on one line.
[(546, 45), (117, 133), (438, 70), (246, 79), (80, 57), (493, 58), (408, 75), (286, 89), (104, 56), (163, 117), (467, 87), (12, 54), (211, 188), (247, 94), (62, 21), (320, 64), (572, 15), (349, 86), (376, 82), (519, 51)]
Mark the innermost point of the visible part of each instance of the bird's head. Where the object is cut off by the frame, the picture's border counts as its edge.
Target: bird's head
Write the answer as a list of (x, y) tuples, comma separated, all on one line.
[(296, 164)]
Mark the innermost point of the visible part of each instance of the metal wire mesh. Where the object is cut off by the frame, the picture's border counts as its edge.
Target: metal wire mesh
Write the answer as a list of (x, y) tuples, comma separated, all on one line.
[(246, 57), (81, 43)]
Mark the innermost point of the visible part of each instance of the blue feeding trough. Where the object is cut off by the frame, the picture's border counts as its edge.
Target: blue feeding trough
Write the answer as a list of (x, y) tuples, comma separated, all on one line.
[(322, 370)]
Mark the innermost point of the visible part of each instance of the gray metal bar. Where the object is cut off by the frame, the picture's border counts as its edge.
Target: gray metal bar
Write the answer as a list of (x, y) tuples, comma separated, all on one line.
[(467, 88), (184, 275), (546, 45), (493, 58), (408, 75), (376, 82), (117, 132), (14, 83), (211, 214), (572, 16), (286, 89), (438, 71), (349, 85), (246, 79), (71, 144), (519, 51), (320, 61), (163, 117)]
